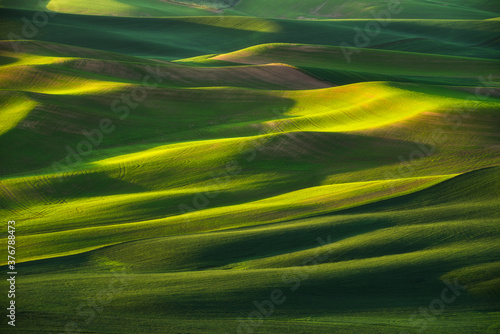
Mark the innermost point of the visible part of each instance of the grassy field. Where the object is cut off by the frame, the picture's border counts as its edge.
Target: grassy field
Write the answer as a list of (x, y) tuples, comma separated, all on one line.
[(251, 167)]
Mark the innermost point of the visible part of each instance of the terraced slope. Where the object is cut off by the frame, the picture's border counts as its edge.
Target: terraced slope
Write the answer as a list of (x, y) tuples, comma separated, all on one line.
[(234, 174)]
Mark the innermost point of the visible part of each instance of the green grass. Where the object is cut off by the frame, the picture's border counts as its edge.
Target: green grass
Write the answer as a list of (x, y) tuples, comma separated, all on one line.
[(260, 159), (170, 38), (141, 8), (309, 9)]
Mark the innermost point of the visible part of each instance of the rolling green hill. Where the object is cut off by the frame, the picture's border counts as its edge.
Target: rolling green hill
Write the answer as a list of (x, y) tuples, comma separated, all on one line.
[(171, 38), (308, 9), (234, 167)]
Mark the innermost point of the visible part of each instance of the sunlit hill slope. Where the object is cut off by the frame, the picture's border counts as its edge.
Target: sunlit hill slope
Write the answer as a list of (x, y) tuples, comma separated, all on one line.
[(212, 153)]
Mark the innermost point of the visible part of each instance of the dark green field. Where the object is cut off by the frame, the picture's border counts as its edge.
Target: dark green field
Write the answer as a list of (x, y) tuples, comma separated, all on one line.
[(200, 167)]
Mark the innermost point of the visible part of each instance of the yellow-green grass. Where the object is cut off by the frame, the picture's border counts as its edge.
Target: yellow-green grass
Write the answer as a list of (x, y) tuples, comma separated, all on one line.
[(121, 213), (57, 75), (352, 9), (227, 112), (421, 242), (368, 61), (14, 108), (169, 38), (132, 8), (361, 278), (359, 107), (290, 205), (456, 9), (40, 52), (222, 294), (238, 176), (396, 226)]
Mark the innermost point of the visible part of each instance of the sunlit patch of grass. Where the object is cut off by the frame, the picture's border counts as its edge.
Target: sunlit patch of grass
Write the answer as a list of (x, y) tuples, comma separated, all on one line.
[(372, 181), (13, 109)]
